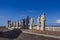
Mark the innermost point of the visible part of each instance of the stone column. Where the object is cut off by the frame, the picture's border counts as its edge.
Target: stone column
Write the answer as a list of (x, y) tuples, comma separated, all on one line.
[(31, 23), (39, 23), (43, 22)]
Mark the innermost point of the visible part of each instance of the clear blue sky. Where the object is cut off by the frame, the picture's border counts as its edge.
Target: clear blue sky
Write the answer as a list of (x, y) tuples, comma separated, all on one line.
[(19, 9)]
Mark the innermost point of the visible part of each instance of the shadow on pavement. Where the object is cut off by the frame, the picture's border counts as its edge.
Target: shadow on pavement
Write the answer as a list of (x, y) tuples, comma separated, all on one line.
[(12, 34)]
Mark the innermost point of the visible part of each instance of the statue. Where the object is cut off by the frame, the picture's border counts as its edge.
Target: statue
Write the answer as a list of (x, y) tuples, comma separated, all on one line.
[(27, 22), (43, 22), (31, 23), (20, 24), (12, 24), (39, 23), (15, 24), (8, 24), (24, 23)]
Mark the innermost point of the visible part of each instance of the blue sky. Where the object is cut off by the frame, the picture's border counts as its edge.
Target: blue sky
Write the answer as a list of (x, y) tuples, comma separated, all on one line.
[(19, 9)]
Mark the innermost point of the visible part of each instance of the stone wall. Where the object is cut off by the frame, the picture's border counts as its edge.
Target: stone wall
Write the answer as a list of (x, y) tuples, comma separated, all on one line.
[(50, 28)]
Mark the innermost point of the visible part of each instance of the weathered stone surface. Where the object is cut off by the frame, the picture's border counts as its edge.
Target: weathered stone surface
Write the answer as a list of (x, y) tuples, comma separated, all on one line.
[(17, 35), (43, 22), (38, 23), (31, 23)]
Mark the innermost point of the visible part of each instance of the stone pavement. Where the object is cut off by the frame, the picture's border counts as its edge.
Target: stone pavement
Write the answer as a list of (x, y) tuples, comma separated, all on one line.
[(24, 35), (45, 35)]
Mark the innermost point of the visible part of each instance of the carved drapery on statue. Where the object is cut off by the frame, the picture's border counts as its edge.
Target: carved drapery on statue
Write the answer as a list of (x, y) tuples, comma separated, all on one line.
[(43, 22), (31, 23), (8, 24), (20, 24), (38, 23)]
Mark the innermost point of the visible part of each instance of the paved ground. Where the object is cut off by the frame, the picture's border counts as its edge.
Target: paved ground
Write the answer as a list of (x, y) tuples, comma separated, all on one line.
[(17, 35), (41, 34), (25, 36), (56, 33)]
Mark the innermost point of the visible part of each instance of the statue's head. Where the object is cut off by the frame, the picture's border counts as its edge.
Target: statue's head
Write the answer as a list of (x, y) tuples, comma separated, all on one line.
[(43, 16)]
